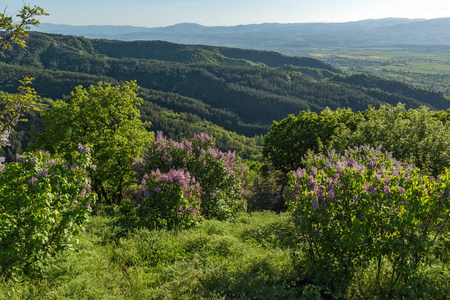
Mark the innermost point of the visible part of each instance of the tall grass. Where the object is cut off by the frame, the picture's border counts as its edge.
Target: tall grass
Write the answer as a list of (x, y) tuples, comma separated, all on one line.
[(254, 257)]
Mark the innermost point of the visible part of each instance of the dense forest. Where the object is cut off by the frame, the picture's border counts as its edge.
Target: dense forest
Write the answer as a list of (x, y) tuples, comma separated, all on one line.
[(234, 94)]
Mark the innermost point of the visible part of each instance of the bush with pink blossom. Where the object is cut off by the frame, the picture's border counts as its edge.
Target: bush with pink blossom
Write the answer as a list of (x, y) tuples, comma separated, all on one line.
[(218, 175), (365, 207)]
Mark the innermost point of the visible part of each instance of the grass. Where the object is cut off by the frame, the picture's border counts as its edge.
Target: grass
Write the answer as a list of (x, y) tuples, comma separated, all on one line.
[(255, 257)]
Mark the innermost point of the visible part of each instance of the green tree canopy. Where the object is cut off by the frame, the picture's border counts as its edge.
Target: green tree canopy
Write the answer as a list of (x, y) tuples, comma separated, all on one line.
[(13, 31), (290, 139), (108, 118), (418, 136)]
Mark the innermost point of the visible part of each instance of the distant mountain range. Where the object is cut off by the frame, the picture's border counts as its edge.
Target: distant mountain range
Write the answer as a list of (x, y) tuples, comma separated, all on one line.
[(278, 37)]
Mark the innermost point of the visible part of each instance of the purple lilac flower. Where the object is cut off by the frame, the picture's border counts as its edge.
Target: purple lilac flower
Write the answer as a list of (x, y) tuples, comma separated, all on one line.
[(320, 193), (203, 137), (374, 191), (387, 190), (377, 177), (351, 163), (330, 195), (181, 209), (299, 173), (32, 180), (315, 204), (360, 169), (88, 204), (313, 171), (373, 164), (366, 187), (312, 183), (193, 211), (83, 148), (4, 138), (42, 172), (19, 158)]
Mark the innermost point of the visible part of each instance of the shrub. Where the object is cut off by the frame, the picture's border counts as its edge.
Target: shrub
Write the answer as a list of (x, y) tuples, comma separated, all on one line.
[(365, 206), (44, 201), (167, 200), (219, 174)]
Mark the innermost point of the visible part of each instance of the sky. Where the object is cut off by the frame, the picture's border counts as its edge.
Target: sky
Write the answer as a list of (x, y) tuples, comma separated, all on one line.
[(158, 13)]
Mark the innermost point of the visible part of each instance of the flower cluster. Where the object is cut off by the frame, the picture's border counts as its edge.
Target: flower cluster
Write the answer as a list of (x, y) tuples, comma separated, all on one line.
[(4, 141), (168, 200), (365, 204), (218, 174)]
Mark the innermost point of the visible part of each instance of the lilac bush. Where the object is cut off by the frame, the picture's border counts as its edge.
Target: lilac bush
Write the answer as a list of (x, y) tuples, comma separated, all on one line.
[(365, 206), (44, 202), (219, 174), (167, 200)]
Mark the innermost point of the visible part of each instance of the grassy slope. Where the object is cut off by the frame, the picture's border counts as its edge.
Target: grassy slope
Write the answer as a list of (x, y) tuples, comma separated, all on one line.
[(252, 258)]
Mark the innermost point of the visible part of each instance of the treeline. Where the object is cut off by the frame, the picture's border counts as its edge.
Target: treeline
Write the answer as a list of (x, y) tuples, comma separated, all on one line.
[(415, 136), (254, 93)]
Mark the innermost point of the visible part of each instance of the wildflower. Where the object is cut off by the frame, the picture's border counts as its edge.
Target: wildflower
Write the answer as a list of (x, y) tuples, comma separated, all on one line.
[(42, 172), (32, 180), (4, 138), (387, 190), (351, 163), (330, 195), (366, 186), (83, 149), (315, 203), (373, 164)]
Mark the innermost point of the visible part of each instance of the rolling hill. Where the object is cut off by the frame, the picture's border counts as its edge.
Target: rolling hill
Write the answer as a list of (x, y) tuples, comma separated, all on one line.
[(233, 93)]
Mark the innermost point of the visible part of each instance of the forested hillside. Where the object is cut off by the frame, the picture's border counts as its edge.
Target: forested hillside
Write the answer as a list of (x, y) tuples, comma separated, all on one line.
[(234, 94)]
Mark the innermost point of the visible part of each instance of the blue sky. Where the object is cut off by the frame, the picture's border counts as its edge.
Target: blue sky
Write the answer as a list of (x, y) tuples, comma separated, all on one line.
[(154, 13)]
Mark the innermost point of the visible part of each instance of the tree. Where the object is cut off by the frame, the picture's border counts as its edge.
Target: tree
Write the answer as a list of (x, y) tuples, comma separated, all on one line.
[(15, 106), (13, 32), (290, 139), (108, 118)]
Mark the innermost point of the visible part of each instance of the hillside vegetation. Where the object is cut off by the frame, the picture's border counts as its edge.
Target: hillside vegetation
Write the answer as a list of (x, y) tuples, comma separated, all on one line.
[(234, 94), (105, 206)]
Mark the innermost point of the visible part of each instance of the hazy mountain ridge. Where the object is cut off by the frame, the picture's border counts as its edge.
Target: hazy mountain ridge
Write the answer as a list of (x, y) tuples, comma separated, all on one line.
[(275, 36)]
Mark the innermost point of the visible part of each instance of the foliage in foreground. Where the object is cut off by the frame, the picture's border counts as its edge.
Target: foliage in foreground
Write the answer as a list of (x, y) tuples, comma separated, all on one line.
[(363, 207), (44, 202), (251, 258), (107, 117)]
